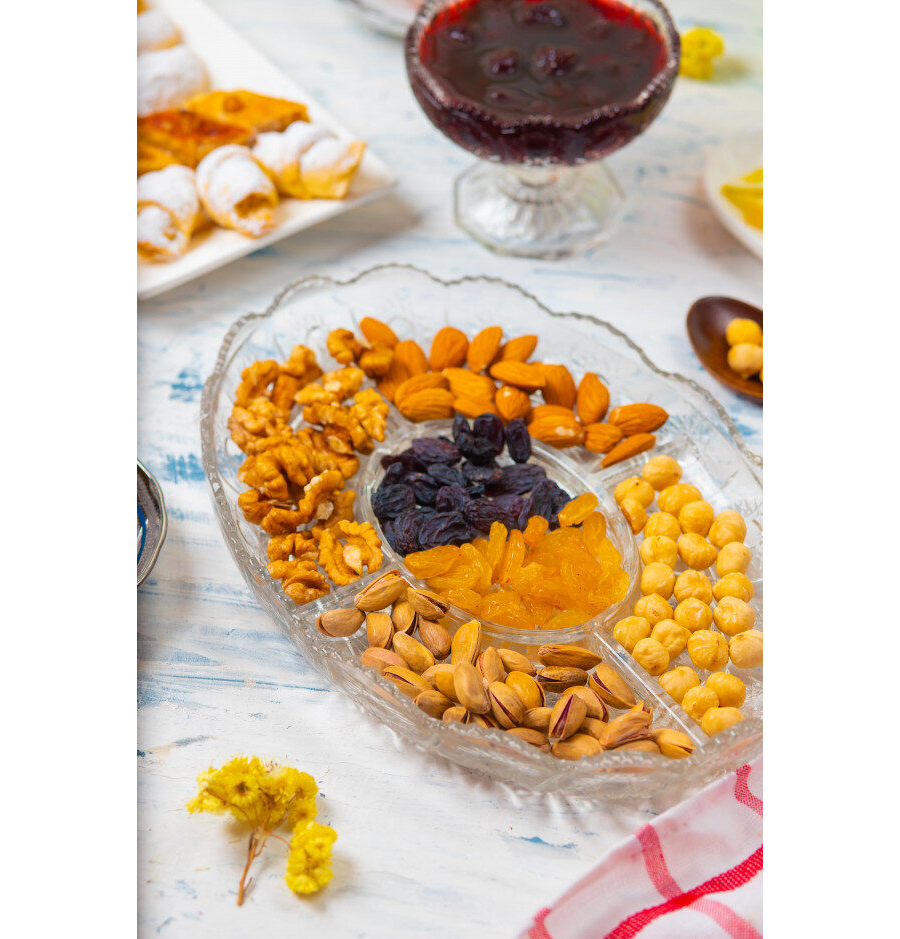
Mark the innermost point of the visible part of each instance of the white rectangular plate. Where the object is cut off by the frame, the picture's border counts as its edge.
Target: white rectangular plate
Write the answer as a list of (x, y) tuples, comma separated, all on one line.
[(233, 63)]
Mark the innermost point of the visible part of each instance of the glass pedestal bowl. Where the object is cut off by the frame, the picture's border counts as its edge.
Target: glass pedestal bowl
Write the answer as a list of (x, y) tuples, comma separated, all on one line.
[(542, 189)]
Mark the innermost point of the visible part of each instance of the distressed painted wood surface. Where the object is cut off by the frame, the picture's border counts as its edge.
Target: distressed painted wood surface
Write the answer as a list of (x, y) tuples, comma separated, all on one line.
[(424, 847)]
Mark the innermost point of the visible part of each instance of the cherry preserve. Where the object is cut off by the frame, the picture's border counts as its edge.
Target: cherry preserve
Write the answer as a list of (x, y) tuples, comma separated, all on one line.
[(540, 81)]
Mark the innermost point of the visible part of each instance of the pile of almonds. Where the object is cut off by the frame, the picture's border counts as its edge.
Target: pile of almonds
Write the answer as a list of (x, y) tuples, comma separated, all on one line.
[(561, 706), (488, 375)]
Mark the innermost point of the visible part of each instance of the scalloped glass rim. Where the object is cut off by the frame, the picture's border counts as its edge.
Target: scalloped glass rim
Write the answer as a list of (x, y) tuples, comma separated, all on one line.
[(616, 776)]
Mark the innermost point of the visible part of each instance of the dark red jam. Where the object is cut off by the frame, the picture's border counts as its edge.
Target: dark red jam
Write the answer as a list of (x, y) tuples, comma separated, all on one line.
[(523, 80)]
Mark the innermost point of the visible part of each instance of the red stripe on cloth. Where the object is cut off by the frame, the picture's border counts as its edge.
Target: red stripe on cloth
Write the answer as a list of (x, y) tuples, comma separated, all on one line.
[(742, 790), (655, 862), (539, 929), (736, 926), (735, 877)]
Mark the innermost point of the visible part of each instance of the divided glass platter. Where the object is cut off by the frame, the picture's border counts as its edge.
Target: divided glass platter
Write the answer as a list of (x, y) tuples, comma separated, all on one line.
[(699, 434)]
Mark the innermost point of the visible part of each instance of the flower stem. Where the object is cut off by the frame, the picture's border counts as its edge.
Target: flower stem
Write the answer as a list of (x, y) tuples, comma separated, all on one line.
[(257, 842)]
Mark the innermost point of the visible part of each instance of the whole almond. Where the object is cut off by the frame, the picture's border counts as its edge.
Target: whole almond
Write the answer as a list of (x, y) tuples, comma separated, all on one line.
[(515, 661), (380, 630), (596, 706), (392, 379), (407, 681), (638, 418), (466, 642), (560, 386), (527, 689), (418, 383), (376, 331), (574, 656), (559, 432), (380, 659), (448, 349), (435, 638), (433, 703), (566, 717), (432, 404), (610, 686), (512, 403), (537, 719), (518, 349), (470, 690), (410, 355), (558, 677), (441, 676), (519, 375), (592, 400), (601, 438), (473, 407), (534, 737), (417, 657), (576, 747), (490, 666), (506, 706), (483, 348), (466, 384), (551, 410), (629, 447)]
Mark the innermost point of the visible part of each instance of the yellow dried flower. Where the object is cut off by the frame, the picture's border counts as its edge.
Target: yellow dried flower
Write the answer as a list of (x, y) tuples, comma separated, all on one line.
[(309, 862), (699, 46)]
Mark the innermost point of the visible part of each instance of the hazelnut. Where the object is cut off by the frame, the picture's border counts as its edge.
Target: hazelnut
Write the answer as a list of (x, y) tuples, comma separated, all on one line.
[(745, 358), (659, 548), (651, 655), (733, 558), (629, 631), (727, 527), (708, 650), (674, 498), (634, 512), (658, 578), (697, 701), (731, 585), (696, 551), (733, 616), (693, 614), (636, 488), (653, 608), (661, 471), (677, 681), (696, 517), (716, 720), (693, 584), (746, 649), (672, 636), (729, 689), (741, 330), (662, 523)]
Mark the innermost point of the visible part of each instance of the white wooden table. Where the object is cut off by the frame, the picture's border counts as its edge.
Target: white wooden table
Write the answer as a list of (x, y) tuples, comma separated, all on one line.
[(424, 847)]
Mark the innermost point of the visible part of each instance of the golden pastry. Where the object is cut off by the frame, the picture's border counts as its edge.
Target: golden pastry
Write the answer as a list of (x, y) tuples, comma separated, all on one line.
[(183, 136), (156, 31), (167, 78), (249, 110), (168, 211), (236, 191)]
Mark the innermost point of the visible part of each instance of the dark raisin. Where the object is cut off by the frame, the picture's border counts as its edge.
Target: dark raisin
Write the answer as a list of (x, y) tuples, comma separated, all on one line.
[(512, 507), (526, 512), (482, 513), (475, 490), (446, 475), (515, 479), (518, 440), (548, 499), (444, 528), (451, 499), (407, 459), (491, 427), (478, 450), (434, 450), (391, 499), (387, 532), (424, 487), (406, 528), (394, 473), (480, 474), (461, 428)]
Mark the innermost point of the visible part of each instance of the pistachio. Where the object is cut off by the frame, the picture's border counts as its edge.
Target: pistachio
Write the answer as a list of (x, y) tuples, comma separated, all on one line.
[(646, 746), (530, 692), (537, 719), (456, 715), (576, 747), (490, 666), (611, 688), (427, 604), (380, 593), (417, 657), (515, 662), (506, 706), (673, 743), (441, 676), (567, 716), (433, 703), (592, 727), (404, 617), (534, 737), (407, 681), (632, 725), (470, 690), (379, 629), (571, 656), (466, 642), (435, 638), (338, 624), (481, 720), (596, 707), (559, 677), (381, 658)]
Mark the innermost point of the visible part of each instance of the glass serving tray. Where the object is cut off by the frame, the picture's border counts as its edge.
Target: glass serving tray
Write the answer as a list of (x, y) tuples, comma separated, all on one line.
[(699, 434)]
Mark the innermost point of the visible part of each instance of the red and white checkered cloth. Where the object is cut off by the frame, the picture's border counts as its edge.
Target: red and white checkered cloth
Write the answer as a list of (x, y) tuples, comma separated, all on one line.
[(695, 872)]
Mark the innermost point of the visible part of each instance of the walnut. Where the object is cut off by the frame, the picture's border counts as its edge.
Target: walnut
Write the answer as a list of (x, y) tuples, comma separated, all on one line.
[(300, 579), (260, 419), (319, 490), (372, 411), (377, 360), (254, 505), (300, 369), (349, 548), (341, 510), (343, 382), (255, 381), (279, 470), (343, 346), (338, 416), (326, 458), (298, 544)]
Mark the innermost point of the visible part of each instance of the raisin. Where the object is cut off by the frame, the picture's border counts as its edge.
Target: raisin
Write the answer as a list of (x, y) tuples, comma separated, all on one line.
[(391, 499), (451, 499), (518, 440), (461, 428), (490, 427), (548, 497), (424, 487), (394, 473), (478, 450), (482, 513), (444, 528), (475, 490), (387, 530), (406, 528), (515, 479), (434, 450), (407, 459), (446, 475), (480, 474)]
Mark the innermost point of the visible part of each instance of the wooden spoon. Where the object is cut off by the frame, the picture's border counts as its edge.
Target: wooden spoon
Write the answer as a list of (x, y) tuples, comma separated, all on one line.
[(707, 320)]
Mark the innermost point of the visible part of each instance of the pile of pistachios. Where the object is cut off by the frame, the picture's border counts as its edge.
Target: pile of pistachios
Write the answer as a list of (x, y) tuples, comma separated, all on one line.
[(561, 706)]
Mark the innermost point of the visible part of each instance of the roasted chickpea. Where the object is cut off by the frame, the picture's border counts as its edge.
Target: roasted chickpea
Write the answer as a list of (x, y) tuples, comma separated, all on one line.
[(733, 616), (697, 701), (733, 558), (696, 551), (674, 498), (634, 512), (662, 523), (729, 689), (727, 527), (732, 585), (693, 584), (746, 649), (693, 614), (661, 471), (658, 578), (651, 655), (672, 636), (708, 650), (679, 680), (745, 358), (696, 517), (741, 329), (653, 608), (629, 631), (635, 487), (659, 548), (716, 720)]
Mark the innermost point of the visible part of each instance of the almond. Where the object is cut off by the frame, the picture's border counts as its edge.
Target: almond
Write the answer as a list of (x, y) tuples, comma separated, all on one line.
[(448, 349), (592, 399), (638, 418), (545, 410), (527, 377), (557, 430), (560, 387), (599, 438), (393, 379), (430, 404), (629, 446), (466, 384), (512, 403), (483, 348), (377, 332), (410, 355), (518, 349), (473, 407), (419, 383)]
